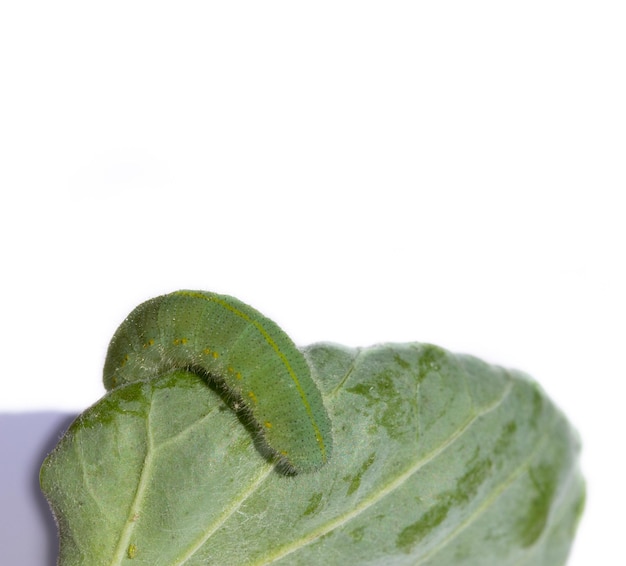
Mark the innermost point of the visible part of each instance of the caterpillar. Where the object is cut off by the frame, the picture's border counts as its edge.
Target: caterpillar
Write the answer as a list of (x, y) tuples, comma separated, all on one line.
[(234, 345)]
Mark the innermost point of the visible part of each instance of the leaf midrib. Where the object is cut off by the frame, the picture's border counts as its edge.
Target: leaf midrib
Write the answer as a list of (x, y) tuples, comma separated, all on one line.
[(134, 512)]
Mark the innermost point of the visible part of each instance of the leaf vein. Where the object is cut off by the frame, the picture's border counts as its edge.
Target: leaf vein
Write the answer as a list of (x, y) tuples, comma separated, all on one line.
[(496, 492), (186, 430), (142, 484), (225, 515), (390, 487), (86, 479), (345, 378)]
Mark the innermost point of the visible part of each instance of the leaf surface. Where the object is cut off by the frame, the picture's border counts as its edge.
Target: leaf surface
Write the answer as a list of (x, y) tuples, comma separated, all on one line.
[(439, 459)]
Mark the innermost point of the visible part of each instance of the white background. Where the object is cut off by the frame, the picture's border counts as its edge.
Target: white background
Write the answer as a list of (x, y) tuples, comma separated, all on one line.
[(448, 172)]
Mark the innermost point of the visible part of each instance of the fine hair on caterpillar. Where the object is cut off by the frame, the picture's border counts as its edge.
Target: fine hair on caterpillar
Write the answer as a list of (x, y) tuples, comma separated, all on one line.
[(242, 412), (243, 355)]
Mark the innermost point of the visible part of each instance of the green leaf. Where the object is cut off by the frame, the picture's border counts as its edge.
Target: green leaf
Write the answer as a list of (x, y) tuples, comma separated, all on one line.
[(439, 459)]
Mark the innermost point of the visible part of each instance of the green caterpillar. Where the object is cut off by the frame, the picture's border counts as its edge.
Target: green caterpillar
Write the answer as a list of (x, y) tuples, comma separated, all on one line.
[(230, 342)]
